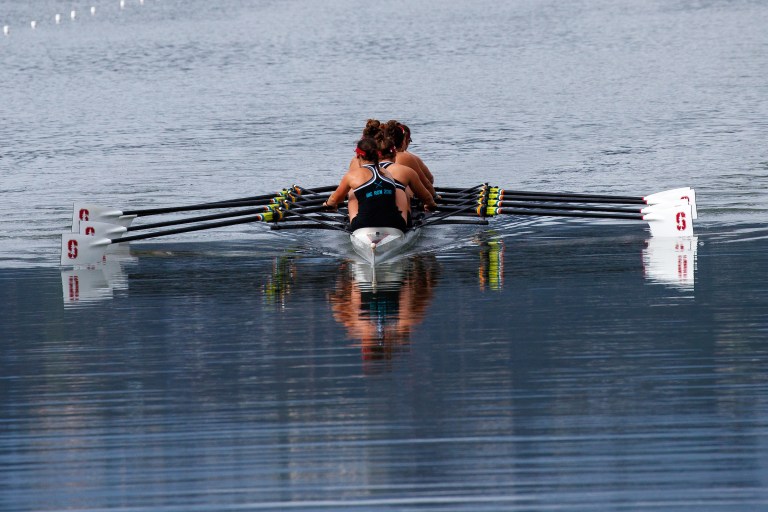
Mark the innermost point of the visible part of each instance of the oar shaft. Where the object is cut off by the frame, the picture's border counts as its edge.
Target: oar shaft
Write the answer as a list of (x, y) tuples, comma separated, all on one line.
[(572, 196), (253, 201), (262, 217), (552, 213), (189, 229), (544, 206), (245, 201), (200, 218)]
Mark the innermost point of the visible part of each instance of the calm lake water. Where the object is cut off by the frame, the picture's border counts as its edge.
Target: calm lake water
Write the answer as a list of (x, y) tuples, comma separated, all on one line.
[(533, 364)]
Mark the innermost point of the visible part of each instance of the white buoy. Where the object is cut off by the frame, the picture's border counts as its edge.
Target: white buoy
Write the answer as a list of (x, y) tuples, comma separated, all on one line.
[(122, 4), (6, 29), (141, 2), (57, 18), (33, 24), (73, 15), (93, 10)]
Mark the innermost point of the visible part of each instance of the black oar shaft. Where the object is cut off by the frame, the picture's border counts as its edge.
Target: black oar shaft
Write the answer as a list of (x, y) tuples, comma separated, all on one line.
[(189, 229), (254, 201), (571, 198), (615, 199), (544, 206), (211, 225), (552, 213), (245, 201), (201, 218)]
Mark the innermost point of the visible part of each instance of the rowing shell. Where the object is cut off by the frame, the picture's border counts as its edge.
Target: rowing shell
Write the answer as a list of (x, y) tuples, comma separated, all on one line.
[(376, 245)]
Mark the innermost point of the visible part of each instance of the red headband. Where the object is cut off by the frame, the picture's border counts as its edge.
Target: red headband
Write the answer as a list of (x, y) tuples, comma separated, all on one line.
[(359, 152)]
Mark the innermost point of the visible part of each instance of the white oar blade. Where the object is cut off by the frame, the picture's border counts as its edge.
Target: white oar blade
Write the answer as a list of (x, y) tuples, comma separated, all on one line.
[(672, 220), (662, 206), (102, 229), (77, 249), (675, 195), (83, 212)]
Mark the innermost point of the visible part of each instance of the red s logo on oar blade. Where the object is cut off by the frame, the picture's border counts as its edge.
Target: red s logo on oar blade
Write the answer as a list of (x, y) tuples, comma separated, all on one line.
[(681, 223), (84, 214), (90, 230), (72, 249)]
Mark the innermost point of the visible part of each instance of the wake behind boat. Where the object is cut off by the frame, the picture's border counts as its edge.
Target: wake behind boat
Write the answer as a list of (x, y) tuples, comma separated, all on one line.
[(95, 229)]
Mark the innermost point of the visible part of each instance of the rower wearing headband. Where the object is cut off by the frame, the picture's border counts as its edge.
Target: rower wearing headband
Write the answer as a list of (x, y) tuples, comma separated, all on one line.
[(374, 128), (371, 191)]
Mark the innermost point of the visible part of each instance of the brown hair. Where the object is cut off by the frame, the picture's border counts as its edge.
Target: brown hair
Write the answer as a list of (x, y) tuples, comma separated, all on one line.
[(368, 149), (386, 145), (372, 128), (396, 132)]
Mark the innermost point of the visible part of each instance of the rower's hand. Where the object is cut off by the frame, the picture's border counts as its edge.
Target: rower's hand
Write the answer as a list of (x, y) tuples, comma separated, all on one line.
[(332, 207), (431, 207)]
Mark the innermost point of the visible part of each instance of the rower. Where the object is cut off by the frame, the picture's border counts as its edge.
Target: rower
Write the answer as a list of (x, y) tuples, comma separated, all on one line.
[(373, 128), (406, 178), (371, 192), (401, 136)]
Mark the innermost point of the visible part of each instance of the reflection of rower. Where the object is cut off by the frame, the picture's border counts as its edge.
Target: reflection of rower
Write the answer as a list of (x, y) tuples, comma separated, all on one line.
[(382, 313)]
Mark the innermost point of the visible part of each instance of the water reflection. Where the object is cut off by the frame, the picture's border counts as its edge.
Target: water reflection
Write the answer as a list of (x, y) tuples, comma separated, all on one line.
[(671, 261), (490, 272), (388, 299), (85, 285), (381, 306)]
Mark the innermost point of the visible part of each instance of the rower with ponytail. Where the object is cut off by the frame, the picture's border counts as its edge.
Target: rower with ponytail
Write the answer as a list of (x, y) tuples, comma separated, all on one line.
[(371, 192)]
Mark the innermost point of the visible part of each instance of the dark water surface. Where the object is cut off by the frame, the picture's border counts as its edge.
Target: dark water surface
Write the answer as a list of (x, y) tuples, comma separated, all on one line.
[(530, 365), (494, 376)]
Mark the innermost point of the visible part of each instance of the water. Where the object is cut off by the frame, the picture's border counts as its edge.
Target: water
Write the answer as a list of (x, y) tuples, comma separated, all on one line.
[(535, 364)]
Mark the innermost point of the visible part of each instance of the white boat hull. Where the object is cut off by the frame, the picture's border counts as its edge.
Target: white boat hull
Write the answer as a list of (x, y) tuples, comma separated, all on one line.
[(376, 245)]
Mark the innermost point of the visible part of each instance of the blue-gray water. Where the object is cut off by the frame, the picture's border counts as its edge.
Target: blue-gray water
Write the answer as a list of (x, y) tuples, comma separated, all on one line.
[(534, 364)]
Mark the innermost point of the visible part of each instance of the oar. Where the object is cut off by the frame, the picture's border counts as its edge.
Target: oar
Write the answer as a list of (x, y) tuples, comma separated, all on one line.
[(107, 229), (77, 249), (468, 204), (684, 194), (90, 212), (544, 206), (663, 219)]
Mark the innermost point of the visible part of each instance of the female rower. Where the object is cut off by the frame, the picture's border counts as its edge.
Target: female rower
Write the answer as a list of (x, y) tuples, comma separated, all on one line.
[(372, 129), (405, 178), (372, 193), (401, 136)]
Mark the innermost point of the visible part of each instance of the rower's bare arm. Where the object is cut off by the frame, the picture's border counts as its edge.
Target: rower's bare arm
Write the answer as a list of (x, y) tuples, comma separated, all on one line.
[(412, 161), (420, 190), (424, 169), (338, 196)]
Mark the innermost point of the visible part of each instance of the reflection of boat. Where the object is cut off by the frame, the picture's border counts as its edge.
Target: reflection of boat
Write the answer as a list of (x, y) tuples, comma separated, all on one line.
[(671, 261), (82, 285), (381, 305)]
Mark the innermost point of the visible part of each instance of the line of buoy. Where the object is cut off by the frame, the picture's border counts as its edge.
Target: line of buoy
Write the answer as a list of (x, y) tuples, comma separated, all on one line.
[(73, 14)]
